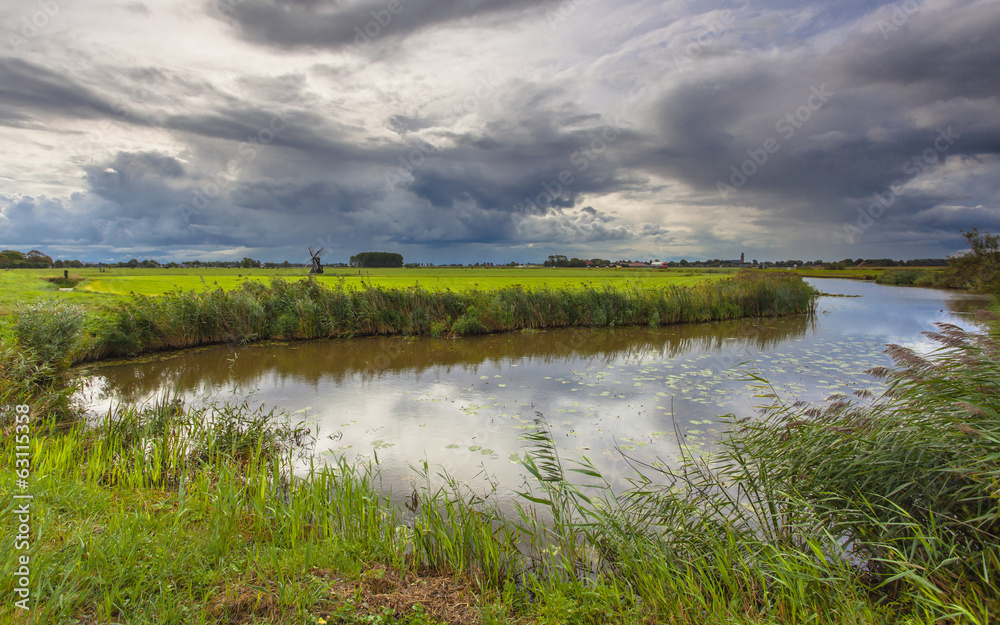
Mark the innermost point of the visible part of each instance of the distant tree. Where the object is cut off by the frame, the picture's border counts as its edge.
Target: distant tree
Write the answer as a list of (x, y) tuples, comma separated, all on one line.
[(37, 259), (11, 259), (248, 263), (979, 268), (58, 264), (133, 263), (377, 259)]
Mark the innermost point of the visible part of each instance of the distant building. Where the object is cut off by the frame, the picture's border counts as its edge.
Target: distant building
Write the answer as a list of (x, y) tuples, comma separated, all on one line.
[(741, 258)]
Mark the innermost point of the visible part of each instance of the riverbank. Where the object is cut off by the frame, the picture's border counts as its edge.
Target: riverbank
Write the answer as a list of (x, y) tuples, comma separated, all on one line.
[(175, 514), (930, 277), (98, 290), (308, 309)]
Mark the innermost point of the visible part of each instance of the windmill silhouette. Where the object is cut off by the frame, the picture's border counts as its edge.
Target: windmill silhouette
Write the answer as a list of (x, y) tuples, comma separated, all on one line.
[(317, 267)]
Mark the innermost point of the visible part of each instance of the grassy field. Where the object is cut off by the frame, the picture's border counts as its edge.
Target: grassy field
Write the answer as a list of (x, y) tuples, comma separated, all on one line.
[(100, 289), (57, 331), (860, 273)]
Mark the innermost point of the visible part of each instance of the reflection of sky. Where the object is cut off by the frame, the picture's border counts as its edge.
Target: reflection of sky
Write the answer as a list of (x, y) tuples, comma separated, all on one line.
[(464, 419)]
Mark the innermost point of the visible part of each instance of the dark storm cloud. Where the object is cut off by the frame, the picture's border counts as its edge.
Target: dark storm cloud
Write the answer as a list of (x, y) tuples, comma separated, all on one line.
[(935, 55), (305, 198), (896, 107), (546, 154), (330, 24), (812, 135), (134, 180), (27, 89), (403, 124)]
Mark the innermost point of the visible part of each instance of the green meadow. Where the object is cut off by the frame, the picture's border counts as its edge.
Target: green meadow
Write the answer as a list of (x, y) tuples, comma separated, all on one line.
[(98, 289)]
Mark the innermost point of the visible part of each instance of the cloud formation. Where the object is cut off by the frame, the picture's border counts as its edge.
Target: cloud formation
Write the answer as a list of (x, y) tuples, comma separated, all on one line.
[(501, 130)]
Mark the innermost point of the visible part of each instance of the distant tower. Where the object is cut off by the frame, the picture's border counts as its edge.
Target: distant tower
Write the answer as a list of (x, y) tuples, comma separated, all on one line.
[(741, 258)]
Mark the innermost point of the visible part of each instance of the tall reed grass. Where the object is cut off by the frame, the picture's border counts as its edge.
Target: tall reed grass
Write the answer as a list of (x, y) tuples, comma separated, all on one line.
[(310, 310)]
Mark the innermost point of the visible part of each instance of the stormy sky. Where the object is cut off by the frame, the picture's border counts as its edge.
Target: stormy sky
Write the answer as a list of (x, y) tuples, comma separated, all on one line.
[(498, 130)]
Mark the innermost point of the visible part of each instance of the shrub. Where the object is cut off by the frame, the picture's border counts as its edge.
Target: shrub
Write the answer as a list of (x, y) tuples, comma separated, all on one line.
[(49, 331)]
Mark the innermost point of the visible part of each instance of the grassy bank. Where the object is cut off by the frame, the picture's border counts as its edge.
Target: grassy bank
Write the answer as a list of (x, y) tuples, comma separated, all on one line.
[(876, 510), (96, 290), (938, 277), (308, 309)]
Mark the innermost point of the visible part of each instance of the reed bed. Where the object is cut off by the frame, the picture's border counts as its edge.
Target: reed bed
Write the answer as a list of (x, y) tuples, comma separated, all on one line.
[(308, 309)]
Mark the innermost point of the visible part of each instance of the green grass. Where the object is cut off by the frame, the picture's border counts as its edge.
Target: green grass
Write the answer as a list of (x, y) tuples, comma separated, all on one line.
[(309, 309), (876, 274), (881, 511), (102, 289), (155, 282), (18, 286)]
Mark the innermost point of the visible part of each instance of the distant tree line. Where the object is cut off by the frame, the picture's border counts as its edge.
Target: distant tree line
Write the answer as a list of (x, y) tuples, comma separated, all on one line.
[(13, 259), (887, 262), (559, 260), (377, 259)]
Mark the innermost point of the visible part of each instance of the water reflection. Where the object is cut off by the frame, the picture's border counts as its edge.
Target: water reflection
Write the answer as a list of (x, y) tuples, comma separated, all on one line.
[(463, 404), (324, 362)]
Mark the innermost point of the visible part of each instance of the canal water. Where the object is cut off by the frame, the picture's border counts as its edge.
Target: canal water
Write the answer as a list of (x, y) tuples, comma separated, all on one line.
[(613, 396)]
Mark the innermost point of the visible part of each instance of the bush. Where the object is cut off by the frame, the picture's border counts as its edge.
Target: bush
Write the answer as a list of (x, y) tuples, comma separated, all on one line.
[(978, 269), (49, 331)]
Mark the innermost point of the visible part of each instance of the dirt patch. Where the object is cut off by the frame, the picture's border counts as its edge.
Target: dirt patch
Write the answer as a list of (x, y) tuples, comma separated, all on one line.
[(65, 283), (243, 604), (441, 597)]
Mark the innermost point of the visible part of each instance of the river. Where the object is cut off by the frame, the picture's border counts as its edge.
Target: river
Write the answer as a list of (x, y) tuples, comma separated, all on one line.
[(613, 396)]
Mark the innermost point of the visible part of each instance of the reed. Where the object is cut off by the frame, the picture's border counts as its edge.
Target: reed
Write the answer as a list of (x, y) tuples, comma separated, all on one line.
[(866, 510), (881, 510), (308, 309)]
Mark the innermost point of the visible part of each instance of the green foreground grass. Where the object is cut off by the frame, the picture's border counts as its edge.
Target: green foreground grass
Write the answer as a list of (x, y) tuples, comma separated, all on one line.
[(881, 510)]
